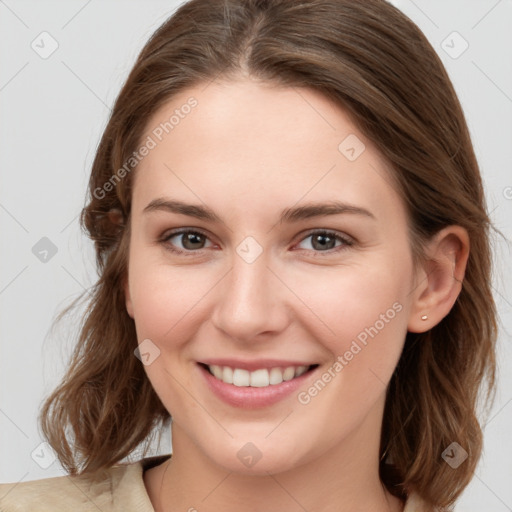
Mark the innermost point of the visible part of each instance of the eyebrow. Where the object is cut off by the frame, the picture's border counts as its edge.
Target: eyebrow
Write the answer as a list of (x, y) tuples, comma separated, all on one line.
[(288, 215)]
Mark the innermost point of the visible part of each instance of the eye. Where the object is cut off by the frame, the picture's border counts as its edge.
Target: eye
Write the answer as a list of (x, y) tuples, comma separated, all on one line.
[(193, 241), (190, 240), (325, 241)]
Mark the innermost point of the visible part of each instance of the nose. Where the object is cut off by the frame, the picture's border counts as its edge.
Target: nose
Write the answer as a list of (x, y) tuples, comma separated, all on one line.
[(251, 301)]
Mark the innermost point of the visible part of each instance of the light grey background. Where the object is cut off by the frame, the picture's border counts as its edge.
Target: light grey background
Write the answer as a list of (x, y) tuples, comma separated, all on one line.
[(53, 111)]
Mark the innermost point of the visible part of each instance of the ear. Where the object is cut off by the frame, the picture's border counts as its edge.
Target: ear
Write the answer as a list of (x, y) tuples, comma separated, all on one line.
[(127, 296), (439, 280)]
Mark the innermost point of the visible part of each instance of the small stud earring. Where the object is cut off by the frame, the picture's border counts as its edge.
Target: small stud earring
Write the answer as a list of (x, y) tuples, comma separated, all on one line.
[(424, 317)]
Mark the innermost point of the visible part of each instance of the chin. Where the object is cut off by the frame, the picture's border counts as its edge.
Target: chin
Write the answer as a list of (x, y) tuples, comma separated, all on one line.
[(256, 459)]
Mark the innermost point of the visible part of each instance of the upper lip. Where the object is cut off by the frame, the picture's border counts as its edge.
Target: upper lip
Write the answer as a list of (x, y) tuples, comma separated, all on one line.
[(253, 364)]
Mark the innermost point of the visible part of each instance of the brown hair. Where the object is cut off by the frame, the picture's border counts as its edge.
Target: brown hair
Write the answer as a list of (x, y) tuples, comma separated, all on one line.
[(375, 63)]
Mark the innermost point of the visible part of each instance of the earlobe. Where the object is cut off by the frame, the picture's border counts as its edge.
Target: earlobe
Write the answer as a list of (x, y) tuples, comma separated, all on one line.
[(440, 280)]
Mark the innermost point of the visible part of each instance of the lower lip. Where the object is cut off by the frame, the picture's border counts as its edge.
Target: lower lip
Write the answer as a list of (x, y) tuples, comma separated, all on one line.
[(247, 397)]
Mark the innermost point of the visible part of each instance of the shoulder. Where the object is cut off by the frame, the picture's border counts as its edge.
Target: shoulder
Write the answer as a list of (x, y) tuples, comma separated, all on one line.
[(120, 487), (78, 493)]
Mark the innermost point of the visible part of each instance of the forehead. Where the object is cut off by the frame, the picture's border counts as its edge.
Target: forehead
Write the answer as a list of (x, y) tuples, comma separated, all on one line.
[(250, 142), (246, 115)]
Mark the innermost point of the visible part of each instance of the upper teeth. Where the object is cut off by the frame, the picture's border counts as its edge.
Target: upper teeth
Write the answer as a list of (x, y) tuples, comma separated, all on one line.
[(257, 379)]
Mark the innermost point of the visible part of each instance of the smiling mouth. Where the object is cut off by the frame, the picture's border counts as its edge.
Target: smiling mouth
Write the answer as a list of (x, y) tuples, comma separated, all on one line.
[(260, 378)]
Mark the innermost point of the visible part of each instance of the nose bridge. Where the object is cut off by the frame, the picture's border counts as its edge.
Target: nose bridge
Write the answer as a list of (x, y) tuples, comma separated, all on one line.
[(251, 299)]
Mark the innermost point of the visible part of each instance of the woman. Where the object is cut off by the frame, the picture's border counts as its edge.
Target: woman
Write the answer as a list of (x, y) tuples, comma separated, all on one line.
[(294, 267)]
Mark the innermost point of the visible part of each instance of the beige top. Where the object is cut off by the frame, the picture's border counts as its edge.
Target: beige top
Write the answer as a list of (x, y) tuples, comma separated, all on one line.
[(119, 489)]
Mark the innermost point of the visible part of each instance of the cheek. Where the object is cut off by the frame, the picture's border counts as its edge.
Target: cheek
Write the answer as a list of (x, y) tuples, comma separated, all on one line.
[(166, 300), (366, 313), (361, 319), (349, 302)]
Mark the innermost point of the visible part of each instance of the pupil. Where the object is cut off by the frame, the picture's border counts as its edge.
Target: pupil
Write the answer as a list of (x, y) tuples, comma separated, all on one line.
[(326, 241), (190, 239)]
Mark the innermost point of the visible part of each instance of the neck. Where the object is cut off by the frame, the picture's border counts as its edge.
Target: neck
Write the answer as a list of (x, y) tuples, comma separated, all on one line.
[(346, 478)]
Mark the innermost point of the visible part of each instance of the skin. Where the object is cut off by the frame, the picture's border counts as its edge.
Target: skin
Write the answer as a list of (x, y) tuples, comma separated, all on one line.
[(248, 150)]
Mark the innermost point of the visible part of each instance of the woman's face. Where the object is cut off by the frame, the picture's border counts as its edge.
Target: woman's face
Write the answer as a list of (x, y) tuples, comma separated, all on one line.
[(294, 252)]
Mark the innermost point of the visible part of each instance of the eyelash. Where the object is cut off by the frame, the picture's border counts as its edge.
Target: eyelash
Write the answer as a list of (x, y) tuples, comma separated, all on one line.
[(347, 242)]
